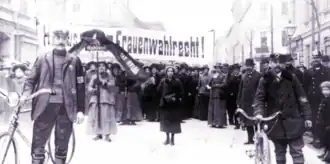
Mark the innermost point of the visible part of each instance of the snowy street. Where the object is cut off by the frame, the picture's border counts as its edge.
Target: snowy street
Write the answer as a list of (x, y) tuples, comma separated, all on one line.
[(143, 143)]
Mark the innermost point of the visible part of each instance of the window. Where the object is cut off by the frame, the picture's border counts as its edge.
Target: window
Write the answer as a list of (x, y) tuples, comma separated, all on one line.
[(285, 8), (24, 5), (76, 7), (327, 4), (263, 10), (308, 12)]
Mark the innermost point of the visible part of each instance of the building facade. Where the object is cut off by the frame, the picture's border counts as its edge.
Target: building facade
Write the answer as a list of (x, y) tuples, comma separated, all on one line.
[(18, 31), (303, 42), (258, 29)]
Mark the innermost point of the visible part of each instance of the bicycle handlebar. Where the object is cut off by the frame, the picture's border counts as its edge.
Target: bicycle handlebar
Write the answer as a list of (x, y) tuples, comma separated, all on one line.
[(271, 117), (13, 98)]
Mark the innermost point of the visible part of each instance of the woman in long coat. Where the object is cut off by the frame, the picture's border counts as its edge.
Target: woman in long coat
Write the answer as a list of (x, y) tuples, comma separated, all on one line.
[(102, 123), (217, 116), (129, 111), (171, 92), (90, 71), (203, 94)]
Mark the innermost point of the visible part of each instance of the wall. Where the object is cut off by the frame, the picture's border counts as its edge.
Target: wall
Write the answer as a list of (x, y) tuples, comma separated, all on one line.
[(303, 44), (254, 28), (20, 28)]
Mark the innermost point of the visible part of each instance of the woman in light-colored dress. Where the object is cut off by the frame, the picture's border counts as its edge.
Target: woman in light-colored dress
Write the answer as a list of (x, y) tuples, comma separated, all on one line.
[(102, 117)]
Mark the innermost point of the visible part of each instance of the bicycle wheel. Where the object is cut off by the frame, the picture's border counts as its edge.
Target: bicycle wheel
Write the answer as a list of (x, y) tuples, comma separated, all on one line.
[(8, 151), (262, 155), (72, 147)]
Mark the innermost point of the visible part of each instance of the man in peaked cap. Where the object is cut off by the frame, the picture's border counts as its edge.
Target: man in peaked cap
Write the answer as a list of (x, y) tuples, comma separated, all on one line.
[(315, 75), (61, 108), (246, 94)]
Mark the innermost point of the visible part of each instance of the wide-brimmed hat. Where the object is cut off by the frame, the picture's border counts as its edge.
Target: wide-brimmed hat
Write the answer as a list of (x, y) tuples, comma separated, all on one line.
[(89, 64), (235, 66), (115, 65), (249, 62), (21, 66), (217, 65)]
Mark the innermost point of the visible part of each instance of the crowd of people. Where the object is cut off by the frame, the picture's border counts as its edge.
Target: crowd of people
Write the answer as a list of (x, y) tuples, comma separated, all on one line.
[(180, 92), (174, 93)]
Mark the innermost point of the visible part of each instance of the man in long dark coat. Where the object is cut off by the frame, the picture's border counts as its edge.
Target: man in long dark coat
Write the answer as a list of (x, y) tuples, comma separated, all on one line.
[(234, 79), (185, 80), (247, 90), (279, 90)]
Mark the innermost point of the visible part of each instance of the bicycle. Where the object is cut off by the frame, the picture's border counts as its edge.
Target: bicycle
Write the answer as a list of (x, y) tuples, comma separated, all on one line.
[(13, 100), (261, 152)]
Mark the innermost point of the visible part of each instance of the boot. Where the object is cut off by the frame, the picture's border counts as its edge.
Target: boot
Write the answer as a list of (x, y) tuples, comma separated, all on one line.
[(167, 140), (107, 138), (38, 161), (250, 131), (98, 137), (172, 140), (280, 162), (60, 160)]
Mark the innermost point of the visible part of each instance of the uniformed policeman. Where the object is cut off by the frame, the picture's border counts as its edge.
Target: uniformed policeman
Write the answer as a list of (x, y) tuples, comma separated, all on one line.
[(315, 75), (63, 73)]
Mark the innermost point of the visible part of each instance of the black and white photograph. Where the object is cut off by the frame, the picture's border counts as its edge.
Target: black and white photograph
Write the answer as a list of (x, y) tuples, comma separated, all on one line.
[(165, 81)]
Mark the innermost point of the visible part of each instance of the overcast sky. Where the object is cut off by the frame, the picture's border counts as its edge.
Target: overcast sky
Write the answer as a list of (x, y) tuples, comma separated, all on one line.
[(186, 15)]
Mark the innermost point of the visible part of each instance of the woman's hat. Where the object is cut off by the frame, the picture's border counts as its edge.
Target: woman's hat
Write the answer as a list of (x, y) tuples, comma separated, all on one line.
[(23, 67), (89, 64), (115, 65)]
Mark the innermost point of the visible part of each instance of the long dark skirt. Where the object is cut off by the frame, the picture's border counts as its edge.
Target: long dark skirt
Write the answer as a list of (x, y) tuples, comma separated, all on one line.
[(151, 109), (128, 109), (201, 109), (217, 115), (170, 120)]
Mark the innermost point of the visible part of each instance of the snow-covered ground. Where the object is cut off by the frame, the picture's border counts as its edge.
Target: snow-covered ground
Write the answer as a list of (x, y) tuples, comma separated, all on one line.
[(143, 144)]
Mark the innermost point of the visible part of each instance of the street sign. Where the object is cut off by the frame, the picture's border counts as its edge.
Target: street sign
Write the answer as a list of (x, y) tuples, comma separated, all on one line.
[(95, 48)]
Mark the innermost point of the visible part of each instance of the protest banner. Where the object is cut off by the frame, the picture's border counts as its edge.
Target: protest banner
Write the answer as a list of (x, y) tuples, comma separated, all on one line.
[(148, 44)]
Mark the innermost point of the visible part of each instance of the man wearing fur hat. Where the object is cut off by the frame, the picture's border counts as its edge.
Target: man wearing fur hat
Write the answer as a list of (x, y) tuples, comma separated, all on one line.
[(245, 97), (63, 73), (280, 90), (314, 77)]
